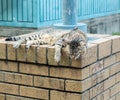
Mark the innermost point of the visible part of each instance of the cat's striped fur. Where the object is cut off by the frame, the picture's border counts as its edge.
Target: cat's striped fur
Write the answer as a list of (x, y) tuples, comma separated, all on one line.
[(75, 42)]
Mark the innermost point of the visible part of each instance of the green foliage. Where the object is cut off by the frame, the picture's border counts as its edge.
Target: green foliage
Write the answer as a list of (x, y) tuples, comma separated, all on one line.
[(116, 33)]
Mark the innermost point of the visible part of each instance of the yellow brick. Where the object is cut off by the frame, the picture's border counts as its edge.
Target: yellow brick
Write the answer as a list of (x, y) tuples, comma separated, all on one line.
[(117, 57), (93, 80), (56, 95), (118, 96), (49, 83), (33, 69), (106, 94), (65, 73), (104, 47), (115, 89), (86, 95), (19, 78), (31, 54), (74, 86), (88, 58), (118, 77), (9, 97), (114, 68), (100, 77), (2, 76), (112, 98), (86, 84), (2, 97), (105, 73), (85, 72), (116, 44), (96, 90), (21, 53), (50, 56), (9, 88), (94, 98), (34, 92), (41, 55), (65, 60), (78, 86), (11, 52), (94, 68), (2, 51), (100, 97), (109, 61), (8, 66), (69, 72), (109, 82)]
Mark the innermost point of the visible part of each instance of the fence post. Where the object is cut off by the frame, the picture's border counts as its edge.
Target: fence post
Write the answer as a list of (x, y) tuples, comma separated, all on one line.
[(69, 16)]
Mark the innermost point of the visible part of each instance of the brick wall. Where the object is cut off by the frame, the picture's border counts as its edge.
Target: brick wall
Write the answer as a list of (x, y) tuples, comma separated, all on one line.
[(34, 75)]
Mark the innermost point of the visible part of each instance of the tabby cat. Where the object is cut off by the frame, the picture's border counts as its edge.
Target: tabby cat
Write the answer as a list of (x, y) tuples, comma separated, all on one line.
[(74, 41)]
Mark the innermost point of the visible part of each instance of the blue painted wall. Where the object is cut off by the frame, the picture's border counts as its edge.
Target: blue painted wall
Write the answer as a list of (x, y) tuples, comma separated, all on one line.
[(38, 13)]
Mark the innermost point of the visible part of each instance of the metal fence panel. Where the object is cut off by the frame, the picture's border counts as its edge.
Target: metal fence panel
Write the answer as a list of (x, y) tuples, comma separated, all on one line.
[(37, 13)]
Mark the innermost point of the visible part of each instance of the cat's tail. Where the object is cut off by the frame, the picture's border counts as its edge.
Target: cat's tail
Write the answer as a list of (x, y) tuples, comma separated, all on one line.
[(14, 38)]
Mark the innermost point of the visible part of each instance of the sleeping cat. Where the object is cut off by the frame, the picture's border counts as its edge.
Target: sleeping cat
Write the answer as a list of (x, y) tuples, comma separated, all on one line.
[(75, 41)]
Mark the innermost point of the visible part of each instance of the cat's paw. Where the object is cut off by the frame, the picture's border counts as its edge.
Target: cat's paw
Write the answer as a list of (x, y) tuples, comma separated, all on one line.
[(16, 45), (28, 44)]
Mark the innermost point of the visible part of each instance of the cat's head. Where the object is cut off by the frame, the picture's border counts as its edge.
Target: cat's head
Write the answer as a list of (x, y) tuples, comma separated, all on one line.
[(75, 48)]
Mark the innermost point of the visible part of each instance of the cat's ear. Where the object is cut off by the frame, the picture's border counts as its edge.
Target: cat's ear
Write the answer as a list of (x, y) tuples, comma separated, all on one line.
[(75, 28)]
